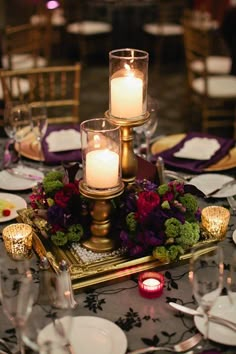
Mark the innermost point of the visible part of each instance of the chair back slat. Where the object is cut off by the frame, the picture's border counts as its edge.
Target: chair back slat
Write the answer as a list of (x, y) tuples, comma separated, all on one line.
[(58, 87)]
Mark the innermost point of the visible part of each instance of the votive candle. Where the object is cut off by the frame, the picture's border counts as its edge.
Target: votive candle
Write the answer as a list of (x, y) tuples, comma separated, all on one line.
[(151, 284), (18, 240)]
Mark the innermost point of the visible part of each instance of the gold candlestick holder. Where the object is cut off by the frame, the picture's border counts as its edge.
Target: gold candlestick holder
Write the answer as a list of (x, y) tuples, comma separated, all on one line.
[(129, 163), (101, 206)]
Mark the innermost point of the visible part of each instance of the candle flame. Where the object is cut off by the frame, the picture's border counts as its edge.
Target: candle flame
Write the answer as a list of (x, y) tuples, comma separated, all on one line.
[(97, 142)]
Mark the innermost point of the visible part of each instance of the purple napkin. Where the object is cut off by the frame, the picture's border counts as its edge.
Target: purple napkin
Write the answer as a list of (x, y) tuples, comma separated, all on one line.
[(195, 166), (62, 156)]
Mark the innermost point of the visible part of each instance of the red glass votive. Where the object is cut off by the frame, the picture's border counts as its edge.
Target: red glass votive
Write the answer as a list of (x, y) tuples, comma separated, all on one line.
[(150, 284)]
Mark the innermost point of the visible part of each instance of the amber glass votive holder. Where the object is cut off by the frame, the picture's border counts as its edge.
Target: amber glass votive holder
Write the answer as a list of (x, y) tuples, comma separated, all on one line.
[(18, 239), (151, 284), (215, 220)]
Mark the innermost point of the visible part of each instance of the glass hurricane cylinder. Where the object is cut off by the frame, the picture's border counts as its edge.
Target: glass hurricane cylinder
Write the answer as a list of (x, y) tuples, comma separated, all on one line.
[(128, 81), (100, 142)]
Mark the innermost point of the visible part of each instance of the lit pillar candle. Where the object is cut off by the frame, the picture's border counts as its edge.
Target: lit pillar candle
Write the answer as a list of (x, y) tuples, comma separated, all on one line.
[(126, 97), (102, 169)]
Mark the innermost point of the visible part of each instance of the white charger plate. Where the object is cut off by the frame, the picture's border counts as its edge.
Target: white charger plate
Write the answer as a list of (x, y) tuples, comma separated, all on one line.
[(218, 333), (19, 203), (91, 334), (208, 182), (17, 183)]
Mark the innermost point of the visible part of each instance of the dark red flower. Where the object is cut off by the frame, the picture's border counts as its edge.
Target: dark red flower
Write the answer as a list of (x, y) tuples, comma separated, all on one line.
[(147, 201), (63, 196)]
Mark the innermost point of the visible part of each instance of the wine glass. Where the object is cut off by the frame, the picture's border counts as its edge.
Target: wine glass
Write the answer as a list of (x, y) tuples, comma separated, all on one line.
[(16, 294), (50, 322), (206, 277), (151, 125), (17, 123), (39, 125), (231, 280), (148, 129)]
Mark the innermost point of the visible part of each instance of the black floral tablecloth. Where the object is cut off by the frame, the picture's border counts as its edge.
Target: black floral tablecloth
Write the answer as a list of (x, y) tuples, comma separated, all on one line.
[(144, 321)]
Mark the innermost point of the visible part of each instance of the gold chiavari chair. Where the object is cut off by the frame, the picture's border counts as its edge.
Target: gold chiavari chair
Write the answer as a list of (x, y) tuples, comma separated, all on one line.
[(57, 86), (214, 94), (26, 46)]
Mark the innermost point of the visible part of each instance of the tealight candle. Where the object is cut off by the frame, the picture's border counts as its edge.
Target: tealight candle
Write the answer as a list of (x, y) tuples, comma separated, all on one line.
[(151, 284), (18, 240)]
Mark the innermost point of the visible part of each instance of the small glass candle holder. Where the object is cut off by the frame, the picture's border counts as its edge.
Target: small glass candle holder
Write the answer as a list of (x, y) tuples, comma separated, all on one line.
[(215, 220), (101, 144), (128, 82), (18, 239), (151, 284)]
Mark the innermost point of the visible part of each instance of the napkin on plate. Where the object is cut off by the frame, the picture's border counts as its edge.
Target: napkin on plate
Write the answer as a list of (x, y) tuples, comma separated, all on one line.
[(196, 161), (62, 143)]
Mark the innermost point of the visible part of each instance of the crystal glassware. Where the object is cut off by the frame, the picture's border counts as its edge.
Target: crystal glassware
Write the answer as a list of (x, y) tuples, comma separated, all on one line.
[(39, 125), (17, 122), (16, 294), (231, 280), (206, 277)]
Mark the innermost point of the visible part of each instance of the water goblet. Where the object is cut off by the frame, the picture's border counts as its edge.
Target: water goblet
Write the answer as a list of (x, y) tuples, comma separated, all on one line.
[(231, 280), (39, 125), (16, 294), (17, 123), (206, 277), (148, 129), (151, 126)]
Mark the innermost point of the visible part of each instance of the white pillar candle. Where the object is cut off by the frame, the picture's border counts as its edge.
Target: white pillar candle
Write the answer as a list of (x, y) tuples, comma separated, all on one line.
[(102, 169), (126, 97)]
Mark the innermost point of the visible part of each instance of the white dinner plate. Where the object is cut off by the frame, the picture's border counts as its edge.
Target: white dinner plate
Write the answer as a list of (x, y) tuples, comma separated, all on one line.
[(12, 182), (234, 236), (91, 334), (208, 182), (19, 203), (218, 333)]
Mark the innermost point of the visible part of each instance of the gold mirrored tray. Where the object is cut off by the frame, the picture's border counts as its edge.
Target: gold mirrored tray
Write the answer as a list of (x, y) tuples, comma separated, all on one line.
[(226, 163), (114, 267)]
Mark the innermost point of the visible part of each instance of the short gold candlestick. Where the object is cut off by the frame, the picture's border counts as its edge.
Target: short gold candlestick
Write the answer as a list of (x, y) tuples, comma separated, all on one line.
[(129, 164), (101, 206)]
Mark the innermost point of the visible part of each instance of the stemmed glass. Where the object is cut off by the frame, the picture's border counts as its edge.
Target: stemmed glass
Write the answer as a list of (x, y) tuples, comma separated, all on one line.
[(206, 277), (39, 125), (231, 280), (151, 126), (16, 294), (148, 129), (17, 123), (49, 326)]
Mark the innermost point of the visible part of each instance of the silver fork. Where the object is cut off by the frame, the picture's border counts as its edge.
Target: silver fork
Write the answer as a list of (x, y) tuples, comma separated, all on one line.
[(177, 348)]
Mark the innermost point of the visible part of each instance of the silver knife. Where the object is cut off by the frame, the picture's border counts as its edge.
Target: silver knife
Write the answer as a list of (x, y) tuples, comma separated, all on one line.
[(213, 318), (227, 184), (20, 174)]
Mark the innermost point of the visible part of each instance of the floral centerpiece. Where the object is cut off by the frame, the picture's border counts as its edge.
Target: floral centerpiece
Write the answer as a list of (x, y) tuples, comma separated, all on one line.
[(61, 208), (147, 219), (160, 220)]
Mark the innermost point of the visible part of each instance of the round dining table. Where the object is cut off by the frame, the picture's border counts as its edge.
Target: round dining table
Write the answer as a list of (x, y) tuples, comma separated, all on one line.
[(143, 321)]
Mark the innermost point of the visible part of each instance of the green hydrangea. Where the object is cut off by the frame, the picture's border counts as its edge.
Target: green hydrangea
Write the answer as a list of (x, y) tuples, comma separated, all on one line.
[(131, 222), (172, 227), (75, 232), (162, 189)]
